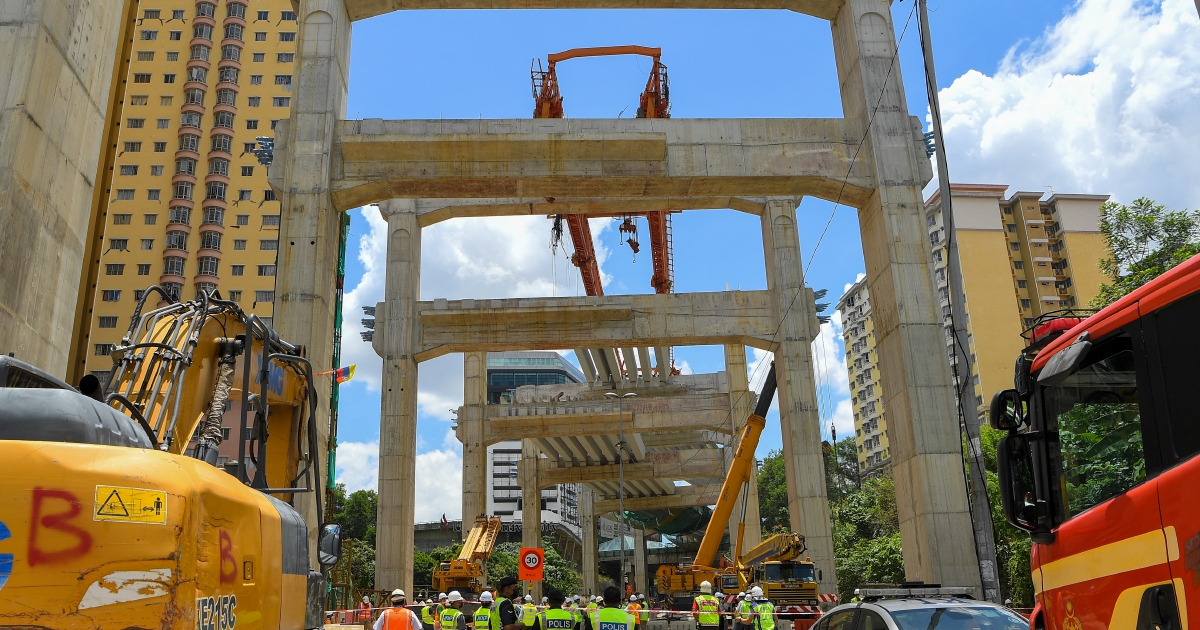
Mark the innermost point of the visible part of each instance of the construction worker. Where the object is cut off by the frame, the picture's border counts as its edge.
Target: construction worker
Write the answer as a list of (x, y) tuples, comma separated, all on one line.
[(509, 618), (429, 615), (610, 617), (592, 605), (528, 611), (645, 608), (744, 618), (438, 609), (555, 617), (764, 611), (363, 614), (706, 609), (634, 609), (485, 616), (452, 616), (398, 617)]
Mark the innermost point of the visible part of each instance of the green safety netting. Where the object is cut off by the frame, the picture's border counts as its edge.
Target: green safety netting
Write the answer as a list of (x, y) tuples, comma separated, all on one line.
[(675, 521)]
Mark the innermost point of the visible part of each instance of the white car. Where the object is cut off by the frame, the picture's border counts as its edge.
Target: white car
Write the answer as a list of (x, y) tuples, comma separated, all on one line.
[(919, 609)]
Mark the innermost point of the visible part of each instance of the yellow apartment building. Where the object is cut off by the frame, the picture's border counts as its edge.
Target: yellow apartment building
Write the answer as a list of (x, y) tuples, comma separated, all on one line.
[(1022, 257), (184, 200)]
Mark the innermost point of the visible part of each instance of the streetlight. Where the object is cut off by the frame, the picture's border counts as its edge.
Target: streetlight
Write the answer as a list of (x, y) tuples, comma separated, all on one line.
[(621, 473)]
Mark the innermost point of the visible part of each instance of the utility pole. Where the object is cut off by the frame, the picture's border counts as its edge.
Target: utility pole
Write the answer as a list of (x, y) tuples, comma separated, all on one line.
[(621, 475), (985, 539)]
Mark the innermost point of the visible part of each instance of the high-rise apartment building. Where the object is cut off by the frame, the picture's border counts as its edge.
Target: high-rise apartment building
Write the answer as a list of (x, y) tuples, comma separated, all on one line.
[(866, 392), (187, 206), (507, 371), (1021, 258)]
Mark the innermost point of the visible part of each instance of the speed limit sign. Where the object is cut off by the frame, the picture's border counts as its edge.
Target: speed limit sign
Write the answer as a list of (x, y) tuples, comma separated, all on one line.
[(532, 559)]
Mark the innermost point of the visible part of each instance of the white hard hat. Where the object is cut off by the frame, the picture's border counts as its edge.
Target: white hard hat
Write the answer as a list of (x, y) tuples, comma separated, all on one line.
[(529, 598), (397, 593), (705, 587), (441, 596), (454, 596), (575, 598), (486, 596), (366, 600), (742, 594), (756, 592), (545, 599)]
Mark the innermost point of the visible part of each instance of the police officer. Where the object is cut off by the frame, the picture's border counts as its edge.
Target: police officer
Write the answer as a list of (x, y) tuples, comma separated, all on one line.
[(452, 616), (509, 618), (764, 611), (610, 617), (555, 617), (706, 608)]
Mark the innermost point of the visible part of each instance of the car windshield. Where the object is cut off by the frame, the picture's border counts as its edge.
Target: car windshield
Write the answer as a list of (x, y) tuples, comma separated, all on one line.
[(959, 618), (790, 572)]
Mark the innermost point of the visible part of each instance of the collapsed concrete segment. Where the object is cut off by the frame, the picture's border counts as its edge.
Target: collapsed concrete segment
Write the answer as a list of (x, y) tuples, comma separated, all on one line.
[(683, 496)]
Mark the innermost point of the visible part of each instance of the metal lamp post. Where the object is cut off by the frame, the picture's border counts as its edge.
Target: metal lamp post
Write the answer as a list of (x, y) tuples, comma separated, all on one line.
[(621, 473)]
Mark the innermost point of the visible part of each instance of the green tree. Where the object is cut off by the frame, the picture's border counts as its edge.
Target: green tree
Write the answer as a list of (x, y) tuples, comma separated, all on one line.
[(363, 565), (556, 572), (866, 535), (1145, 240), (841, 468), (772, 494)]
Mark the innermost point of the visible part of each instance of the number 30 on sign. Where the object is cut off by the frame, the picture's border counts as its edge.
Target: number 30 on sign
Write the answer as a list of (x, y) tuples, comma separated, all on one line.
[(532, 559)]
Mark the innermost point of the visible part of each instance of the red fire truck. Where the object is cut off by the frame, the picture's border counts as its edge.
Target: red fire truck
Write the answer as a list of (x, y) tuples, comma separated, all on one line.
[(1099, 462)]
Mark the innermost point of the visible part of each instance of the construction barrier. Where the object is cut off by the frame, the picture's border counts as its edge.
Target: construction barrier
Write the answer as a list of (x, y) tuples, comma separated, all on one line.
[(358, 616)]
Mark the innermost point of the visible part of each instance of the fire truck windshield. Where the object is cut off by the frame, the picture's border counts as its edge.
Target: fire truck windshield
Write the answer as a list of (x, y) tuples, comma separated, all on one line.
[(1095, 411), (790, 572)]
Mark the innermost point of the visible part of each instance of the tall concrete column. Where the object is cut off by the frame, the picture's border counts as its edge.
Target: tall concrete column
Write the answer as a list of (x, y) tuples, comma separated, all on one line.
[(531, 506), (935, 523), (310, 226), (797, 395), (587, 519), (640, 581), (741, 405), (398, 413), (474, 482)]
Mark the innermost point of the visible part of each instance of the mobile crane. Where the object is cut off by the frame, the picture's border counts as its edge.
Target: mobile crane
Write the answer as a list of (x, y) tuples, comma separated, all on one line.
[(465, 573), (111, 521), (775, 566)]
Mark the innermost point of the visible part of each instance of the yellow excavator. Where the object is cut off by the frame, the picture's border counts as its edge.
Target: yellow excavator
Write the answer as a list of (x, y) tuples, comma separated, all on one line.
[(110, 520), (682, 582), (466, 573)]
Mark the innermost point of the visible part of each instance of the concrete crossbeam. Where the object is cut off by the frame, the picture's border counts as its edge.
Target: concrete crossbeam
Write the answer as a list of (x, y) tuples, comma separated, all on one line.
[(684, 496), (705, 464), (701, 412), (432, 211), (363, 9), (676, 319), (581, 158)]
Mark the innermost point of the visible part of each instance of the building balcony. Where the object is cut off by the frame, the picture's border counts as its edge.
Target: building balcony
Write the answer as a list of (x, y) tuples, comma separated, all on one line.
[(212, 227), (181, 177), (195, 85), (233, 19), (205, 278), (209, 253), (222, 107), (200, 41), (192, 107), (204, 19), (229, 63), (179, 253), (171, 278), (229, 41), (216, 203), (179, 227), (224, 155), (213, 177), (184, 153)]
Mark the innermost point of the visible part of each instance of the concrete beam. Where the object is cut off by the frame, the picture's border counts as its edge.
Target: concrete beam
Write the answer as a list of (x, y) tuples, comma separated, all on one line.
[(431, 211), (363, 9), (675, 319), (692, 464), (684, 496), (700, 412), (598, 158)]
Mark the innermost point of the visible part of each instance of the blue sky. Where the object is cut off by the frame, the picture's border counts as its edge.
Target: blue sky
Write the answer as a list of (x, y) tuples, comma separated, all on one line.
[(1009, 74)]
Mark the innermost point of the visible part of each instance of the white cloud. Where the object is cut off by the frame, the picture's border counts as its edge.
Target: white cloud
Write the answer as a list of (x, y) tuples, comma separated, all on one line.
[(439, 477), (1103, 102)]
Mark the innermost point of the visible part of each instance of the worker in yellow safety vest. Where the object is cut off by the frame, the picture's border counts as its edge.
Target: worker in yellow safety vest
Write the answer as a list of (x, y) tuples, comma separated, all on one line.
[(592, 604), (706, 608), (745, 612), (428, 616), (485, 616), (528, 611), (764, 611), (438, 609), (398, 617), (610, 617), (452, 616)]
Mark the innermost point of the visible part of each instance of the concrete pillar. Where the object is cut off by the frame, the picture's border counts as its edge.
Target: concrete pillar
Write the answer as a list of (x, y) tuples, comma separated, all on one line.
[(591, 543), (310, 226), (741, 405), (935, 523), (531, 506), (474, 481), (640, 581), (398, 413), (797, 395)]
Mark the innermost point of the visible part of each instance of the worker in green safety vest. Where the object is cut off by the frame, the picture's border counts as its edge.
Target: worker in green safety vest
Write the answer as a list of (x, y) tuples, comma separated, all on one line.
[(528, 611), (428, 616), (764, 611), (452, 616), (485, 616), (555, 617), (706, 608), (610, 617)]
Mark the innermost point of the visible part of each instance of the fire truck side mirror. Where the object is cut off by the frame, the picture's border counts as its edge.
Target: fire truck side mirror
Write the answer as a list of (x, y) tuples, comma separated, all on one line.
[(329, 547), (1007, 411), (1014, 468)]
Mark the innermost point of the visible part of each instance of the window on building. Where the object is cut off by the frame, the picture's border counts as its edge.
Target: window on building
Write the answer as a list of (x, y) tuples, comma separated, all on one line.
[(1016, 247), (114, 269), (237, 270), (231, 52), (110, 295), (177, 240), (236, 296), (196, 73), (177, 14), (210, 240), (182, 190), (129, 169), (935, 238), (139, 100), (266, 270), (207, 266), (248, 147), (260, 36), (253, 101), (285, 57), (222, 143), (228, 74), (124, 194), (176, 36), (233, 31), (173, 266), (226, 96), (105, 349), (133, 147), (179, 214), (185, 166), (141, 77), (236, 10), (264, 296), (239, 244), (273, 124), (287, 37), (149, 35), (256, 79), (173, 289), (143, 269), (243, 219), (150, 219), (268, 244), (1021, 284), (223, 119), (247, 171), (148, 243), (288, 16), (173, 56), (169, 78), (264, 16), (281, 101), (107, 321), (268, 195), (215, 190), (260, 57), (151, 14), (145, 55), (1025, 303), (283, 79), (245, 194), (122, 219), (160, 147), (270, 220), (135, 123), (190, 119)]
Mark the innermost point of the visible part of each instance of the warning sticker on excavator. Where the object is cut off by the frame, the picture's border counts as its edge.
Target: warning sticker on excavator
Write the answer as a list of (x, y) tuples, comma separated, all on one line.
[(130, 505)]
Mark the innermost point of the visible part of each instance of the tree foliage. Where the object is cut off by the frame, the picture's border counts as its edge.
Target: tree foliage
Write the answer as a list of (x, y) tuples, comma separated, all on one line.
[(556, 571), (1145, 239), (357, 513), (772, 495)]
